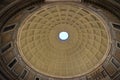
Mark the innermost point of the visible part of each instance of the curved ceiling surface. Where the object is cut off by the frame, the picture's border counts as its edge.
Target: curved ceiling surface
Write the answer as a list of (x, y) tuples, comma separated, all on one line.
[(41, 48)]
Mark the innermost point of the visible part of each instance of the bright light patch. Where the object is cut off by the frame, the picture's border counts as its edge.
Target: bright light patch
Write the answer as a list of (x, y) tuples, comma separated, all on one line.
[(63, 36)]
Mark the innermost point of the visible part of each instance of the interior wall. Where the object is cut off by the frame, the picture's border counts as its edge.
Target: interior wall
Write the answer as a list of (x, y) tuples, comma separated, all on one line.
[(110, 70)]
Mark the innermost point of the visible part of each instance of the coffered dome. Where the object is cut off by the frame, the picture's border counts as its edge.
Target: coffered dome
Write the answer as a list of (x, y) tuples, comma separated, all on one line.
[(85, 47)]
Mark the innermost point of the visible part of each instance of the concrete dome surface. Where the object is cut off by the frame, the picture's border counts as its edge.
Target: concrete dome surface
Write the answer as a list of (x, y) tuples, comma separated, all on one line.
[(85, 48)]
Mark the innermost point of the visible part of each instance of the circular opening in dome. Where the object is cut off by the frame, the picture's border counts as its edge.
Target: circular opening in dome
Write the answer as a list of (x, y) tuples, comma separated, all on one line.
[(63, 36)]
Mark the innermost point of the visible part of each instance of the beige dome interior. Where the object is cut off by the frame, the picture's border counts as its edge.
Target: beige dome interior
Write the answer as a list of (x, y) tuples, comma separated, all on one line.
[(85, 49)]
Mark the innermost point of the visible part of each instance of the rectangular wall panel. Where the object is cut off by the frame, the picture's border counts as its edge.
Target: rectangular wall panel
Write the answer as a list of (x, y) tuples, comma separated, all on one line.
[(117, 54), (110, 69), (18, 69), (24, 74), (12, 63), (8, 28), (6, 47), (115, 63)]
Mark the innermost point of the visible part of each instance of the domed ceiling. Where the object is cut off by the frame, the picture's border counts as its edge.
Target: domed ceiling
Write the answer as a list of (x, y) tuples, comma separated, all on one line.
[(85, 48)]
